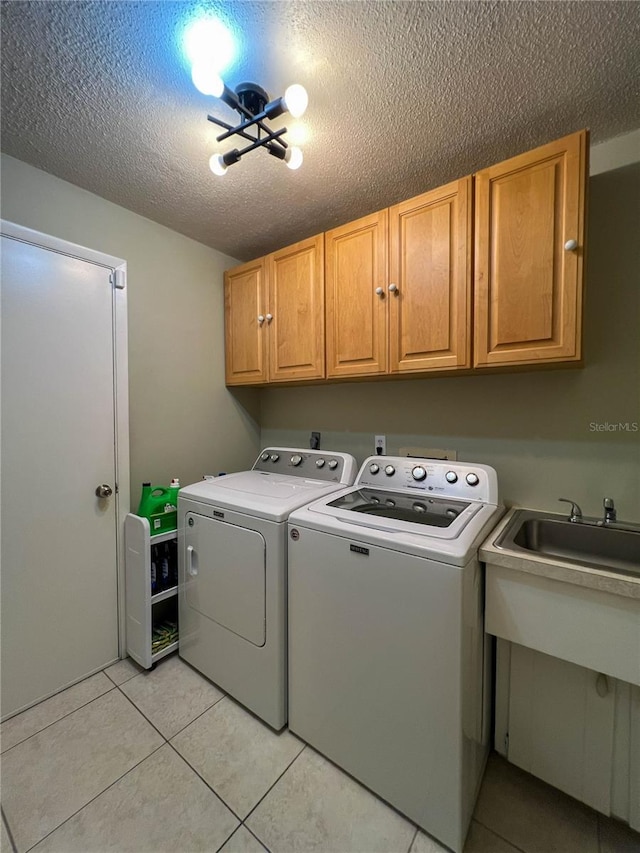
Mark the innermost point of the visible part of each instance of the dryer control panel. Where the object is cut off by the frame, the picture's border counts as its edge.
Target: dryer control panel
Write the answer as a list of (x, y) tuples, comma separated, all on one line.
[(430, 476), (326, 465)]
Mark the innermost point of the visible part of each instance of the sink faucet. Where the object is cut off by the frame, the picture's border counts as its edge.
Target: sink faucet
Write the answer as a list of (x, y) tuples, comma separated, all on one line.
[(576, 512), (609, 511)]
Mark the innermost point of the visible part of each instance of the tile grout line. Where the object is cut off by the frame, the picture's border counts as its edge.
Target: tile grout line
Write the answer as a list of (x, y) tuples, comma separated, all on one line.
[(88, 803), (201, 714), (270, 788), (143, 715), (12, 842), (210, 787), (497, 834), (249, 830), (63, 717), (413, 840)]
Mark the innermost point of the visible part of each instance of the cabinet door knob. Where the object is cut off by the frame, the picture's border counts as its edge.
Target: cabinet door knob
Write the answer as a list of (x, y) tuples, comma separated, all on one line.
[(393, 288), (260, 319), (380, 291), (570, 245), (269, 318)]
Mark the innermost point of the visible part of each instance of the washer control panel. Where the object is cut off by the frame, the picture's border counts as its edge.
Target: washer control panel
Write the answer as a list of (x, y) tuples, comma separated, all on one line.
[(430, 476), (310, 464)]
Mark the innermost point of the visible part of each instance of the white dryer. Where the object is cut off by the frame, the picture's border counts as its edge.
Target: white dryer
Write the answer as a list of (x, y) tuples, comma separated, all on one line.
[(232, 559), (388, 670)]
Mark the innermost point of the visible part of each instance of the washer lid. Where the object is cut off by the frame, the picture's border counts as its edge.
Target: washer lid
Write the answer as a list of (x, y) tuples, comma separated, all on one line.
[(270, 496), (413, 509)]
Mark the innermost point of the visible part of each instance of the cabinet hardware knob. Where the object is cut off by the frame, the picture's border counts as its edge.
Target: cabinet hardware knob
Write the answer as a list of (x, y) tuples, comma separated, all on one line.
[(570, 245), (380, 291), (393, 288), (269, 318), (260, 319)]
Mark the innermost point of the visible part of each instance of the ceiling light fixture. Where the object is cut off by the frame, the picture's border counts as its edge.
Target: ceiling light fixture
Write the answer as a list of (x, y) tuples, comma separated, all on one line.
[(256, 110)]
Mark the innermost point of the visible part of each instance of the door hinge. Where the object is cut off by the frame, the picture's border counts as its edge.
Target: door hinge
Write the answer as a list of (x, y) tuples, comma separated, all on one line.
[(117, 279)]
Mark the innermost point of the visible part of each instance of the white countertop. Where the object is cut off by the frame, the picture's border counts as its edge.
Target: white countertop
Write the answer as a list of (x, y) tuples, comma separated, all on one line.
[(554, 568)]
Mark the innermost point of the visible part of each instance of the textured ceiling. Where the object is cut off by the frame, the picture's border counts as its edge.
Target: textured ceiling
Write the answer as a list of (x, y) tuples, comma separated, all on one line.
[(404, 96)]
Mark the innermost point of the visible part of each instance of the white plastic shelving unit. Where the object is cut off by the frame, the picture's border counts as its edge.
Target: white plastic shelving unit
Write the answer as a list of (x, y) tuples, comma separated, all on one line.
[(145, 609)]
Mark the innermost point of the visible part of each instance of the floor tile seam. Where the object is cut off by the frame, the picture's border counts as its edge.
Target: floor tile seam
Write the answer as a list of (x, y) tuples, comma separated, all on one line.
[(242, 826), (502, 837), (88, 803), (12, 840), (201, 714), (142, 714), (272, 786), (63, 717), (124, 681), (413, 840), (209, 786)]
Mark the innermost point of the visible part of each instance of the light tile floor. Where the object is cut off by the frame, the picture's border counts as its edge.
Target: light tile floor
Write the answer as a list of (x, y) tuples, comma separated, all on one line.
[(159, 761)]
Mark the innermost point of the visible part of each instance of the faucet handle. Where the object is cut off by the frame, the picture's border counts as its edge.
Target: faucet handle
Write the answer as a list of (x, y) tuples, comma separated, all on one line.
[(576, 512)]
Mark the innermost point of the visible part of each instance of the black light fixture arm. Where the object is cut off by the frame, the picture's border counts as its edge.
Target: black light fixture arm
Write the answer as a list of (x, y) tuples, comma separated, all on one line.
[(256, 111)]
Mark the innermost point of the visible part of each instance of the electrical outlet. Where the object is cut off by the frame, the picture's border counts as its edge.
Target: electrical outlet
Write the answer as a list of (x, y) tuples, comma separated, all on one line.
[(381, 445)]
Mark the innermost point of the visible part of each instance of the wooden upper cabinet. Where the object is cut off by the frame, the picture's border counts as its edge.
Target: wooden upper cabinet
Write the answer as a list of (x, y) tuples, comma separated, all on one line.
[(296, 304), (245, 341), (528, 276), (430, 265), (356, 327)]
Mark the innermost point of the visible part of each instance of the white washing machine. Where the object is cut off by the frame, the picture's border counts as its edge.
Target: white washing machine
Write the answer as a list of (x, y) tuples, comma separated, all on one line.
[(388, 670), (232, 556)]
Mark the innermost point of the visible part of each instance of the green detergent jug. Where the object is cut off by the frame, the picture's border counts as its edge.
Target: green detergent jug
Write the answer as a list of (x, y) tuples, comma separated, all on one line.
[(159, 505)]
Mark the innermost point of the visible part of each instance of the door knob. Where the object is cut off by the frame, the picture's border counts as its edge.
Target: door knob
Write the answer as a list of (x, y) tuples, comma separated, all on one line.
[(104, 491)]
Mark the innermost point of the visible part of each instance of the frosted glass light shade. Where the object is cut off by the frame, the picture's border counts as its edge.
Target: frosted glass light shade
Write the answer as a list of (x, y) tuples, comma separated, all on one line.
[(293, 158), (207, 80), (296, 100)]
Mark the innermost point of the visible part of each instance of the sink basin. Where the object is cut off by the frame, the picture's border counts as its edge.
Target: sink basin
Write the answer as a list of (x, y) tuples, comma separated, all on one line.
[(548, 535)]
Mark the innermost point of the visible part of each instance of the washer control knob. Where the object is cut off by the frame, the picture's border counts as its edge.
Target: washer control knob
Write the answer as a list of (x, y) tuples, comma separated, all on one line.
[(264, 457), (472, 479), (419, 473), (275, 457), (389, 470), (320, 463), (373, 468), (296, 459), (451, 477), (333, 464)]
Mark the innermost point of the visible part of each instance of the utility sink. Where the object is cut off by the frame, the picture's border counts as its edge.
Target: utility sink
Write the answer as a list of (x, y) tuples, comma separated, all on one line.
[(611, 547)]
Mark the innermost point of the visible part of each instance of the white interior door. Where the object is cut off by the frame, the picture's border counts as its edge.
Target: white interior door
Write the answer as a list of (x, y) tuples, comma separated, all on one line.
[(59, 540)]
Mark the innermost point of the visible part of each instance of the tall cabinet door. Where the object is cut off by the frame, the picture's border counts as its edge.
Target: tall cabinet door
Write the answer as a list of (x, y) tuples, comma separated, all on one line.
[(245, 324), (356, 266), (430, 266), (529, 253), (296, 310)]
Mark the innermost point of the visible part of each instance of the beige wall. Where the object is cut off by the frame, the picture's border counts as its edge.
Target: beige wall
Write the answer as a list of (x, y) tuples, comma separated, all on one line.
[(533, 427), (183, 421)]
